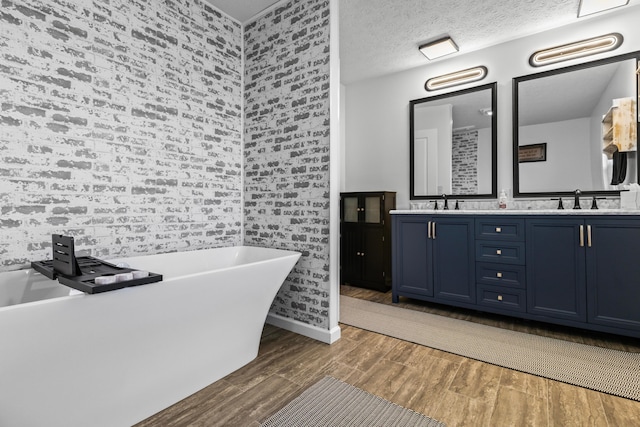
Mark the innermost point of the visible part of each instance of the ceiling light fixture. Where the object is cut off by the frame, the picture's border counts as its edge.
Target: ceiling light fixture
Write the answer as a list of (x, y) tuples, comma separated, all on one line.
[(576, 50), (437, 48), (459, 77), (588, 7)]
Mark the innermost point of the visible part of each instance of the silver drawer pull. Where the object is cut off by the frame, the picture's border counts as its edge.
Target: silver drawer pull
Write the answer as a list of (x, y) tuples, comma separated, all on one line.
[(498, 251), (499, 297), (498, 274), (498, 229)]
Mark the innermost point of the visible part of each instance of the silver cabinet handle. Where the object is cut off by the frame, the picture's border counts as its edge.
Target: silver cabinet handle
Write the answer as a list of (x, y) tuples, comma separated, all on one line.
[(588, 235), (433, 232), (582, 236), (429, 230)]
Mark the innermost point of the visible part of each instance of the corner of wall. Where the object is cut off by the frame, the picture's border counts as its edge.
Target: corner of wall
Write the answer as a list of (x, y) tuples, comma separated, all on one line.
[(287, 133)]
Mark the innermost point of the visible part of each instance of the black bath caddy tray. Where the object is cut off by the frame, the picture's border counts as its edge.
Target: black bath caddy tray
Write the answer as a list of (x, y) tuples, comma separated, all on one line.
[(80, 273)]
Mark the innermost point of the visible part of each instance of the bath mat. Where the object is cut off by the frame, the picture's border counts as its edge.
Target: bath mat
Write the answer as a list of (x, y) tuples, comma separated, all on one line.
[(604, 370), (331, 402)]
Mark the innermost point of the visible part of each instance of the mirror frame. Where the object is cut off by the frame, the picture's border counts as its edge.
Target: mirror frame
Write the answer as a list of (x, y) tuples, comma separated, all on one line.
[(516, 127), (494, 143)]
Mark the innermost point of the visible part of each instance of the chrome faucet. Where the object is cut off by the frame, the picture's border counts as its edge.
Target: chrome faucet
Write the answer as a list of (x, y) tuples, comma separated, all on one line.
[(446, 206), (576, 200)]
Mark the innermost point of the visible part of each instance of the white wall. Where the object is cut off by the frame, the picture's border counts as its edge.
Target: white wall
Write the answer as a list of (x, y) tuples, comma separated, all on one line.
[(377, 110), (564, 168)]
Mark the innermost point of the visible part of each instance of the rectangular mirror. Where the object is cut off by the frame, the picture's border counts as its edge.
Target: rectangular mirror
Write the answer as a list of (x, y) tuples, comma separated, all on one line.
[(452, 140), (585, 116)]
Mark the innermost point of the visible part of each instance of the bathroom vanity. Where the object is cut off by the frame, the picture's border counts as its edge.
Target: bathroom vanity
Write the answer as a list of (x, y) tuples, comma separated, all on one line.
[(572, 267)]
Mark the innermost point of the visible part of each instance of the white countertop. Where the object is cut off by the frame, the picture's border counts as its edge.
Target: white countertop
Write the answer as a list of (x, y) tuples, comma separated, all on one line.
[(518, 212)]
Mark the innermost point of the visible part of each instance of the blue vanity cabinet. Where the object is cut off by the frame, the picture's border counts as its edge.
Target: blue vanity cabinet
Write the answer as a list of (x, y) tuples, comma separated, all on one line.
[(613, 272), (412, 264), (575, 269), (433, 258), (555, 255)]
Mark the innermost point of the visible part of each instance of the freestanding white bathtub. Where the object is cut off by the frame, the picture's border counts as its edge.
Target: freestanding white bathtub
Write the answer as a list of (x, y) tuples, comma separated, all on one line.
[(115, 358)]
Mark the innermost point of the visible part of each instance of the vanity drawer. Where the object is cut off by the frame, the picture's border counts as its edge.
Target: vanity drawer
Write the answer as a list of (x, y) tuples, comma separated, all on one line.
[(502, 252), (499, 228), (502, 298), (508, 275)]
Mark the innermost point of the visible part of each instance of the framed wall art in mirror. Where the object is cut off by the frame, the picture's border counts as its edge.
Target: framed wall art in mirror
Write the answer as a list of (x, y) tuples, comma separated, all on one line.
[(587, 117), (453, 144)]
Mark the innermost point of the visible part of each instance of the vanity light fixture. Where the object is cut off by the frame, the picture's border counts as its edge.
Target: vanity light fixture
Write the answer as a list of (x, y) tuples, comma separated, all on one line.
[(576, 50), (486, 111), (437, 48), (588, 7), (459, 77)]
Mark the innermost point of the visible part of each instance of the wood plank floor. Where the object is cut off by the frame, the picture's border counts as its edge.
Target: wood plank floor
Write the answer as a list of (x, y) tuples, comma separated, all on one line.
[(453, 389)]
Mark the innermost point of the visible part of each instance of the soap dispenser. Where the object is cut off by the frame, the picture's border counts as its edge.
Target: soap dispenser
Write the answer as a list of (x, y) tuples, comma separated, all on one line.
[(502, 200)]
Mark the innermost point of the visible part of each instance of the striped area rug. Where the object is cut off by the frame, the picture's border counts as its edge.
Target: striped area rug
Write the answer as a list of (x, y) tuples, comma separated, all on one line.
[(331, 402), (605, 370)]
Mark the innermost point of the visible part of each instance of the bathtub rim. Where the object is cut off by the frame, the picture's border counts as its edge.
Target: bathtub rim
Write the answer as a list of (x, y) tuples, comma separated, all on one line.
[(286, 254)]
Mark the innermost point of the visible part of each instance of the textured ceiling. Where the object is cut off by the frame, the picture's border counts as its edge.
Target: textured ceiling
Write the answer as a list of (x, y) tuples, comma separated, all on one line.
[(379, 37)]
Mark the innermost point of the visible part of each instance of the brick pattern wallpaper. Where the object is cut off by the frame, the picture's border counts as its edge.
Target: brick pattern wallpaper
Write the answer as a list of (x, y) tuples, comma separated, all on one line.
[(120, 124), (287, 149), (464, 160)]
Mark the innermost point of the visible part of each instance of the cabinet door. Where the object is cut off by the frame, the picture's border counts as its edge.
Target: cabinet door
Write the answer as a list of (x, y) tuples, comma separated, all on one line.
[(351, 261), (556, 285), (373, 207), (454, 259), (613, 272), (372, 255), (350, 209), (412, 265)]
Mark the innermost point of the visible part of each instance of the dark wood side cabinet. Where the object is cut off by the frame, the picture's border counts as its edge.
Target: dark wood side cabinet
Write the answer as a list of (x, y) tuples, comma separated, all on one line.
[(365, 239)]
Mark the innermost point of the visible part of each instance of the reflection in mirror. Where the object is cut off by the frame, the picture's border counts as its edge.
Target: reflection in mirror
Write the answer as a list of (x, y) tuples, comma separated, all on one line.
[(453, 144), (585, 117)]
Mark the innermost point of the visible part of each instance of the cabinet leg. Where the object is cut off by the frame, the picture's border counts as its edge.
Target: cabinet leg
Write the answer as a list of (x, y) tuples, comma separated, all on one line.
[(394, 298)]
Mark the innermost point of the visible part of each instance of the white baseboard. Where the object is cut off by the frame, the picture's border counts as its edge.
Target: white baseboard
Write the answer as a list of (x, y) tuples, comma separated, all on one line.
[(324, 335)]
